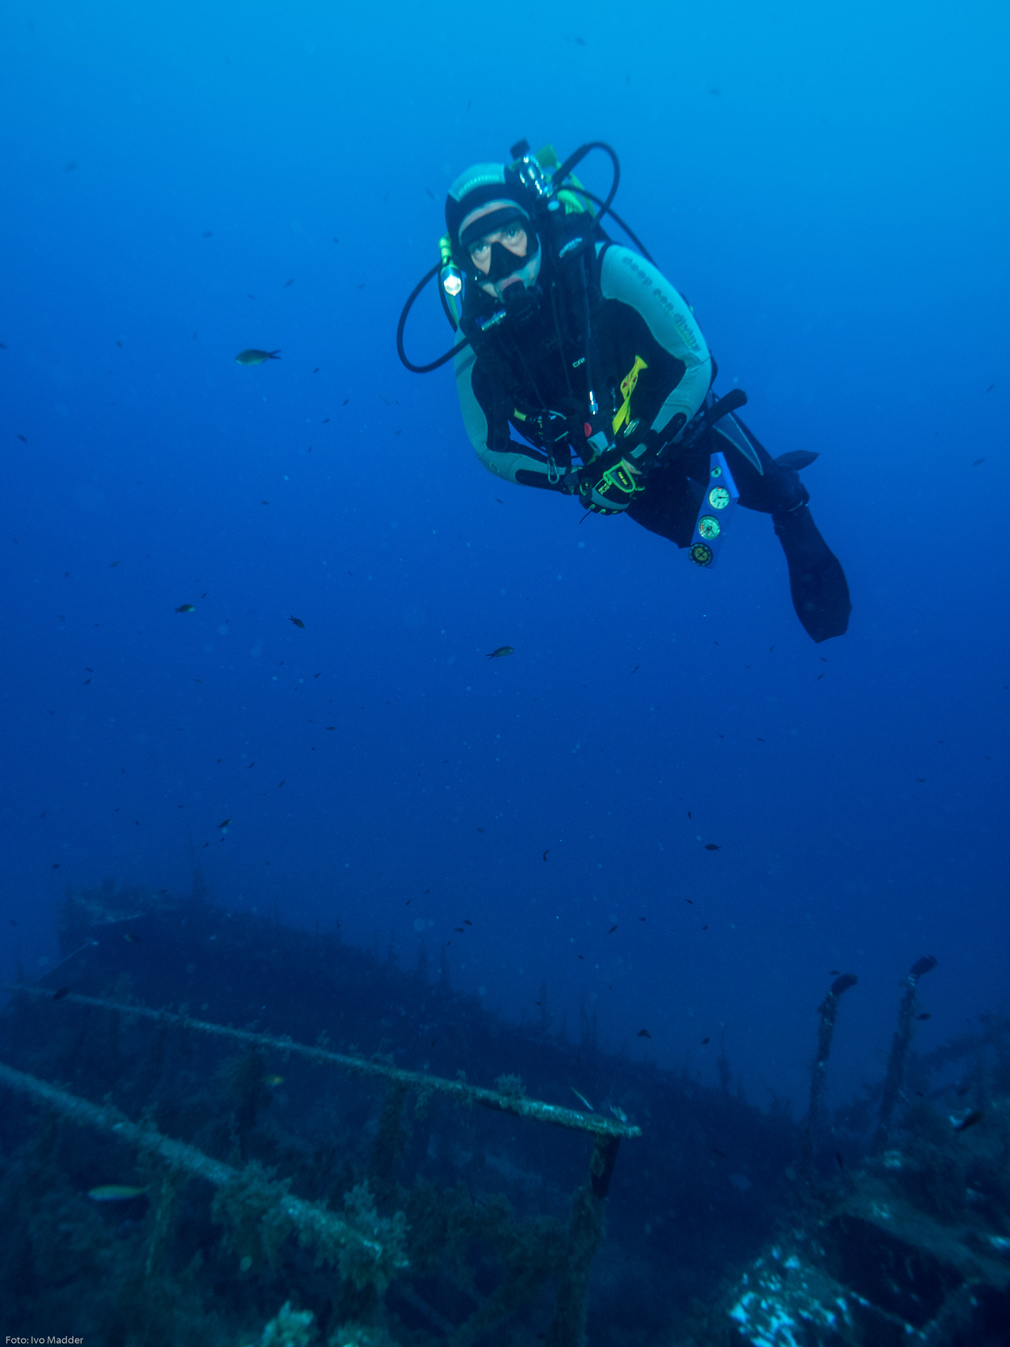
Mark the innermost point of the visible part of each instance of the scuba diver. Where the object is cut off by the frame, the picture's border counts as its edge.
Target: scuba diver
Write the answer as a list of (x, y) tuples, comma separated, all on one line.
[(582, 348)]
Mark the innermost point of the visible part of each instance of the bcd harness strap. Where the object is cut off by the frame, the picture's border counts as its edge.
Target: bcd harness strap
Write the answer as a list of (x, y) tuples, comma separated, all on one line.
[(552, 427)]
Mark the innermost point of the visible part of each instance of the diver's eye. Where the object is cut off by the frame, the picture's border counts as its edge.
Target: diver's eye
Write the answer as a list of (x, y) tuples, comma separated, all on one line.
[(512, 231), (480, 250)]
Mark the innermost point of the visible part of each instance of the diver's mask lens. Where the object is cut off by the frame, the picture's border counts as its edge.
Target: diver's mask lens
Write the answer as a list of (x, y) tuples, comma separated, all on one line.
[(499, 254)]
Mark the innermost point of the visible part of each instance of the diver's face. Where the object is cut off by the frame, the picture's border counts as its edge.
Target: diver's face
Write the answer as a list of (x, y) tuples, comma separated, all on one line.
[(512, 237)]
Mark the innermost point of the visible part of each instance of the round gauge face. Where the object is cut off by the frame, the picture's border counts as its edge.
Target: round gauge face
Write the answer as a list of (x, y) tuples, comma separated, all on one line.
[(701, 554), (718, 498), (709, 526), (717, 471)]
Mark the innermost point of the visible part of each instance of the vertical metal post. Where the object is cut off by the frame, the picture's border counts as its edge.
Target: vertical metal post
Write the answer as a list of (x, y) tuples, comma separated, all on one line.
[(585, 1230), (895, 1078), (828, 1011)]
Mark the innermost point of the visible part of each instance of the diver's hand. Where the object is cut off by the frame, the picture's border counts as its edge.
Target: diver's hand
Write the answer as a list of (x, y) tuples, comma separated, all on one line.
[(609, 485)]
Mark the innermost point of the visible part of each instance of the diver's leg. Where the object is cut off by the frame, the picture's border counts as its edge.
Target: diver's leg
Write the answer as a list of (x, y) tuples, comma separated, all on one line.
[(817, 582), (672, 497)]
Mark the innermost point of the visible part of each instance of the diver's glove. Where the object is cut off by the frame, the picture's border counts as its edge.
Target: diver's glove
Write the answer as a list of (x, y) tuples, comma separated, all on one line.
[(651, 446), (609, 484)]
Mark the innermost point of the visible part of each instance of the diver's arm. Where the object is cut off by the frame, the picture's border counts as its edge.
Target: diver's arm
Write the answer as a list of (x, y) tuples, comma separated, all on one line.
[(489, 434), (630, 279)]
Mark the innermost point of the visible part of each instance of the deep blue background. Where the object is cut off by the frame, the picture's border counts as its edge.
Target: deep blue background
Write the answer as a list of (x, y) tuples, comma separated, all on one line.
[(827, 184)]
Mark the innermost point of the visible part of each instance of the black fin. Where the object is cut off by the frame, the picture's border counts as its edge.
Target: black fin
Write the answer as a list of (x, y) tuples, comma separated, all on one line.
[(799, 458), (816, 579)]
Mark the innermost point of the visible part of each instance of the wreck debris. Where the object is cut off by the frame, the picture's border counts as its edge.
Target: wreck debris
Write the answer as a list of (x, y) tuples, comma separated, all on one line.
[(366, 1248), (895, 1078)]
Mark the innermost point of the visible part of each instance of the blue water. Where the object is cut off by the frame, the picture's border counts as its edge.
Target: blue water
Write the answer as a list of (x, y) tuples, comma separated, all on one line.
[(827, 185)]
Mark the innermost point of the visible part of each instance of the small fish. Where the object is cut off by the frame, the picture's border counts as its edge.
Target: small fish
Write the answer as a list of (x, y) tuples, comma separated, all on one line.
[(689, 900), (839, 1161), (60, 993), (924, 1016), (833, 972), (990, 388), (185, 608), (22, 439), (290, 282), (480, 830), (974, 465), (254, 357), (459, 929), (430, 193), (131, 939), (582, 1099), (643, 1033), (225, 823), (115, 1192), (545, 853), (721, 1154), (502, 651), (612, 930), (712, 846), (466, 922), (705, 1040), (298, 622), (962, 1124), (273, 1081), (56, 865)]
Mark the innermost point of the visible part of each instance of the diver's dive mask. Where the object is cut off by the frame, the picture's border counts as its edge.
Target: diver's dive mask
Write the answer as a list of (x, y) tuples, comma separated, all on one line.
[(507, 271)]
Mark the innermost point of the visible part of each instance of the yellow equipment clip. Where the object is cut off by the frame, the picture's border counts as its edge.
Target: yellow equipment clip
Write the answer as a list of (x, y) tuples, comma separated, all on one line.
[(628, 384)]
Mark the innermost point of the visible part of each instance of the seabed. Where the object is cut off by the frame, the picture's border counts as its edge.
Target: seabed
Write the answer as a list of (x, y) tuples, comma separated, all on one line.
[(325, 1149)]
